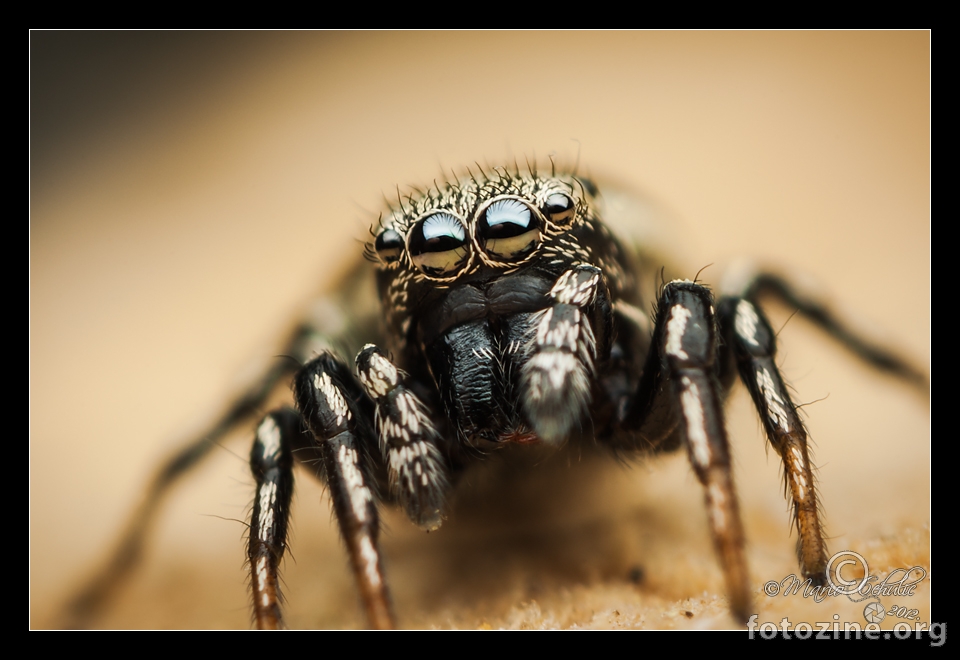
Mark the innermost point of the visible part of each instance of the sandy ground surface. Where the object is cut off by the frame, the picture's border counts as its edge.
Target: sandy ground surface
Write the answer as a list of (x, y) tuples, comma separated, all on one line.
[(191, 192)]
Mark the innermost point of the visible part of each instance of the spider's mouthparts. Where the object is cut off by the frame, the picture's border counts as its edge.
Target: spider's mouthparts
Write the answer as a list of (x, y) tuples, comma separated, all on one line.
[(523, 437)]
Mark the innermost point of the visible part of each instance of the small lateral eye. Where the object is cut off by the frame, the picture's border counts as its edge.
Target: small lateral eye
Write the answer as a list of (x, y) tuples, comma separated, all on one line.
[(508, 229), (389, 246), (438, 244), (560, 208)]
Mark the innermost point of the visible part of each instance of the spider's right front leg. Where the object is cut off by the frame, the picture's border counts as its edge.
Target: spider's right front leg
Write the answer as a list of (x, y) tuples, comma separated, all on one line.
[(334, 409), (272, 465)]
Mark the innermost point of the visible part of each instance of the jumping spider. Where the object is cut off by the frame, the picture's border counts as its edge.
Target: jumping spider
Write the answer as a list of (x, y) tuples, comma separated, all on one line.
[(509, 313)]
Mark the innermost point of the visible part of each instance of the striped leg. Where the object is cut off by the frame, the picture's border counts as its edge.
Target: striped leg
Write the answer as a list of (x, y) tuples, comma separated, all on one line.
[(749, 348), (333, 408), (687, 343), (272, 465), (680, 400), (751, 340), (408, 440), (748, 281), (555, 380)]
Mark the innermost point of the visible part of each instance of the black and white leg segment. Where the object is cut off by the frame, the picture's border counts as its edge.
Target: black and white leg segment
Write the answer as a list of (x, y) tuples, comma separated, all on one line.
[(561, 354), (271, 463), (328, 398), (749, 336), (747, 281), (687, 344), (408, 440)]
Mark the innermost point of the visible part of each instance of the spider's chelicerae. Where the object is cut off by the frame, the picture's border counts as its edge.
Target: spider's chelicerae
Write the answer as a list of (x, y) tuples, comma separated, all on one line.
[(509, 313)]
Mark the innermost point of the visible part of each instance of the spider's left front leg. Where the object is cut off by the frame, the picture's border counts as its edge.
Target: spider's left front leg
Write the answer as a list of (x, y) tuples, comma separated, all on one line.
[(679, 393)]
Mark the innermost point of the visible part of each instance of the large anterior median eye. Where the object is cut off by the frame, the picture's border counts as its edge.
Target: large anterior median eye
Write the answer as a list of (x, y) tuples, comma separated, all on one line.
[(508, 229), (389, 245), (438, 244)]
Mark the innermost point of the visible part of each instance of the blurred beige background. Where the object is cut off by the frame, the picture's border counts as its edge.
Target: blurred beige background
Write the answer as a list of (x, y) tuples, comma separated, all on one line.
[(191, 191)]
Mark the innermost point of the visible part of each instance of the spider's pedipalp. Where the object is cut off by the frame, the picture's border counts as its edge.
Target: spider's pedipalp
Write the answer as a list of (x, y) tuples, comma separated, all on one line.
[(408, 440), (557, 377)]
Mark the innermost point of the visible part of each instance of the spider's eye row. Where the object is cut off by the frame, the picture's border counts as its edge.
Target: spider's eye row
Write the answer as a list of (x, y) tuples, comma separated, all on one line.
[(389, 246), (560, 208), (508, 229), (438, 244)]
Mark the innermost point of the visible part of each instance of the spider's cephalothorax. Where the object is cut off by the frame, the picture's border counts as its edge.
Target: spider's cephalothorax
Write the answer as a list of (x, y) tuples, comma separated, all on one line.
[(509, 313), (498, 292)]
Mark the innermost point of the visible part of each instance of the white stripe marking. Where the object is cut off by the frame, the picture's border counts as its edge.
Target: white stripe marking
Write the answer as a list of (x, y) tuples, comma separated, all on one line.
[(696, 430), (676, 326), (369, 555), (269, 436), (774, 403), (746, 323)]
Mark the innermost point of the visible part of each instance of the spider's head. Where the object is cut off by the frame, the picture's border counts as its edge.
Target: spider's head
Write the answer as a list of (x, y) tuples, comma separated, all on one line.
[(465, 268), (471, 231)]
